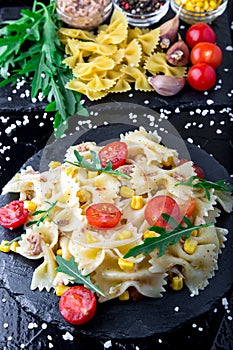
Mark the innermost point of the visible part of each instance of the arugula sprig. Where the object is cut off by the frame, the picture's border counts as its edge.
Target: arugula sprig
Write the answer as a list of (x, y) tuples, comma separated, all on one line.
[(197, 182), (70, 268), (43, 217), (95, 165), (29, 47), (16, 239), (166, 238)]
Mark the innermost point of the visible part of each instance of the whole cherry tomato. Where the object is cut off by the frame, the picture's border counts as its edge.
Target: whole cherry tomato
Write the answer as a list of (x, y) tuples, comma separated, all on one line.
[(206, 53), (13, 214), (199, 32), (201, 76), (114, 152), (103, 215), (77, 305), (161, 205)]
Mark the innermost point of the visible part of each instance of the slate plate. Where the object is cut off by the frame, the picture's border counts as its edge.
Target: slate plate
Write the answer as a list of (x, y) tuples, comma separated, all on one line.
[(114, 319)]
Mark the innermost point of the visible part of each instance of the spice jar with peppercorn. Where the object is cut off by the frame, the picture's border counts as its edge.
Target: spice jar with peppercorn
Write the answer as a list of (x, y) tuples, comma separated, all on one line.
[(142, 13), (84, 14)]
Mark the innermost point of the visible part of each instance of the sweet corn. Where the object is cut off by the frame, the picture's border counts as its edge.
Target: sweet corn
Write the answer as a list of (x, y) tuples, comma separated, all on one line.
[(150, 234), (137, 202), (90, 238), (198, 5), (30, 205), (194, 233), (59, 252), (13, 246), (71, 171), (3, 247), (53, 164), (83, 195), (92, 174), (190, 245), (125, 234), (168, 162), (59, 290), (124, 296), (125, 265), (177, 283), (126, 192)]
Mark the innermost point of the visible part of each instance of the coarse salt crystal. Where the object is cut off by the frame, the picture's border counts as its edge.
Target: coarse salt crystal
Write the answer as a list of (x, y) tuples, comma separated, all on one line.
[(190, 140), (50, 345), (107, 344), (5, 325), (176, 309), (44, 326), (9, 98), (209, 102), (218, 131), (67, 336)]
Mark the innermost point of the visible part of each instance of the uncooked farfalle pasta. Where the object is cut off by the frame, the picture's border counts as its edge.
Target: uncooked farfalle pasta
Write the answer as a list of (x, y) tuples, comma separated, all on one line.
[(151, 171), (114, 58)]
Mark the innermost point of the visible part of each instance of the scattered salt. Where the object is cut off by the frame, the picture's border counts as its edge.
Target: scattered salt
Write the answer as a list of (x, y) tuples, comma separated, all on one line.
[(107, 344), (67, 336)]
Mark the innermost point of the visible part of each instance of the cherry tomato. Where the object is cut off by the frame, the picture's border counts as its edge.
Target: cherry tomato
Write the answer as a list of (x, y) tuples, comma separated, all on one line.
[(103, 215), (77, 305), (198, 170), (201, 76), (13, 214), (159, 205), (199, 32), (115, 152), (206, 53)]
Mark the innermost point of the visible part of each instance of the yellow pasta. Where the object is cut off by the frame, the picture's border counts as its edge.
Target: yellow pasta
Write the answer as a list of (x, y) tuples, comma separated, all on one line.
[(157, 63)]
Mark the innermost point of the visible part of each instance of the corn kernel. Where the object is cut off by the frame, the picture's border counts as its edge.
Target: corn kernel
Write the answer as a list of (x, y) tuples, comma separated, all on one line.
[(137, 202), (83, 195), (125, 265), (190, 245), (150, 234), (3, 247), (168, 162), (126, 192), (124, 296), (90, 238), (30, 205), (194, 233), (53, 165), (71, 171), (59, 252), (13, 246), (59, 290), (92, 253), (92, 174), (125, 234), (177, 283)]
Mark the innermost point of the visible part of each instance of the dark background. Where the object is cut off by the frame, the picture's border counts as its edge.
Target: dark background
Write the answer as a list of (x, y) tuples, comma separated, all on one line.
[(209, 126)]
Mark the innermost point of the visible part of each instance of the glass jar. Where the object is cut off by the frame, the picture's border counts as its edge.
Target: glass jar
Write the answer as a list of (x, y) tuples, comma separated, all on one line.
[(84, 14)]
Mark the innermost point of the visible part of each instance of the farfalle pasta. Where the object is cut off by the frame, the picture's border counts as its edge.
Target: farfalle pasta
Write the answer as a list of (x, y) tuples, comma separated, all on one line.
[(114, 59), (153, 170)]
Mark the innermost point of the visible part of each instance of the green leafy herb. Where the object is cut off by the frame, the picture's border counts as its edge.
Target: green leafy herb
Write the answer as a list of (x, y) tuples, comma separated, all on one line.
[(166, 237), (220, 185), (95, 165), (29, 47), (16, 239), (70, 268), (43, 217)]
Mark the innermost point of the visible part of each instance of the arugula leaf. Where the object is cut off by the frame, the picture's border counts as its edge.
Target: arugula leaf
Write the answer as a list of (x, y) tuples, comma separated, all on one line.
[(29, 47), (70, 268), (43, 217), (95, 165), (16, 239), (166, 237), (197, 182)]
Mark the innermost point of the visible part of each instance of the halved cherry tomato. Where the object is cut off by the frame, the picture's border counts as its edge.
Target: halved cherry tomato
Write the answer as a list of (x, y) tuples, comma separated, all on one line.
[(77, 305), (206, 53), (159, 205), (198, 170), (115, 152), (201, 76), (188, 209), (13, 214), (199, 32), (103, 215)]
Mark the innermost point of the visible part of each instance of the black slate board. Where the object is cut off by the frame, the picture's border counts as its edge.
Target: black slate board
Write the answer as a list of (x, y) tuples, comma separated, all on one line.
[(138, 320)]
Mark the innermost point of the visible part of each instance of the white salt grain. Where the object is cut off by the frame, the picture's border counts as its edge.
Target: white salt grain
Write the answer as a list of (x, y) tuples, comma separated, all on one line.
[(67, 336), (107, 344)]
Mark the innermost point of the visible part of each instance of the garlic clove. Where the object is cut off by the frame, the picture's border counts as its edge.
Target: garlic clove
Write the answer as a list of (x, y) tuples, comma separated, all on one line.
[(178, 54), (168, 32), (166, 85)]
